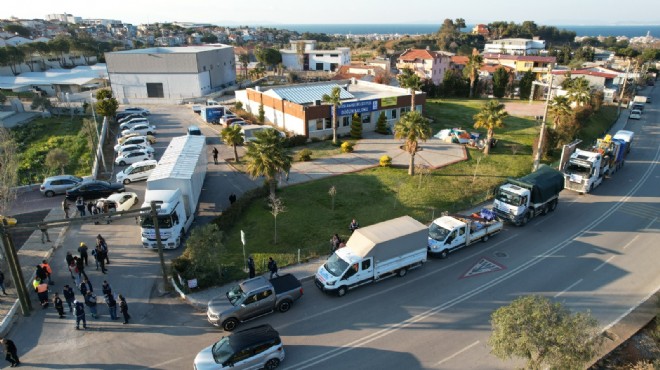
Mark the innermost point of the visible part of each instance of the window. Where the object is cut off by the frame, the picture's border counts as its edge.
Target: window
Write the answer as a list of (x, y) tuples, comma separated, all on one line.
[(155, 90), (393, 114), (263, 295), (328, 123), (366, 117), (345, 121), (241, 355), (319, 55), (366, 264), (461, 231), (251, 299), (319, 66), (334, 55)]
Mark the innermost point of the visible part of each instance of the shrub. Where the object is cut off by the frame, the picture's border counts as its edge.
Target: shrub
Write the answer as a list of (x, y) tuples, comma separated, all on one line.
[(381, 125), (583, 113), (316, 139), (295, 140), (356, 127), (347, 147), (230, 216), (385, 161), (304, 155), (238, 105)]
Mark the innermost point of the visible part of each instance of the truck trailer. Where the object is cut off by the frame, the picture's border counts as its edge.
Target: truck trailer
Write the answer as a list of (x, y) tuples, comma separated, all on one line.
[(373, 253), (520, 200), (175, 185)]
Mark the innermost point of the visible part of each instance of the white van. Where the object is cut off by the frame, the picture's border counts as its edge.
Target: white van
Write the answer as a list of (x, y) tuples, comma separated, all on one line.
[(137, 171), (248, 131)]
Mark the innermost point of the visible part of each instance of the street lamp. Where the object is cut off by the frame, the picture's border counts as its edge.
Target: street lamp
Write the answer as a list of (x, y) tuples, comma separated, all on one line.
[(537, 158)]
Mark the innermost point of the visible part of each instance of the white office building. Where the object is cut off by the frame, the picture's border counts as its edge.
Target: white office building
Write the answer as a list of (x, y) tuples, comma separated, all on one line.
[(515, 47), (302, 55)]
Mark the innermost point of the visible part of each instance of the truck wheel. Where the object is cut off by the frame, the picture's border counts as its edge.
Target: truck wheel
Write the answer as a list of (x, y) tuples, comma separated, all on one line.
[(545, 210), (444, 254), (485, 238), (230, 324), (341, 291), (402, 272), (271, 364), (525, 219), (284, 306), (553, 205)]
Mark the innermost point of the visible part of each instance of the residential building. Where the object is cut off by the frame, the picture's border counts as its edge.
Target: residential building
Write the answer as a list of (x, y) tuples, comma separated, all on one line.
[(523, 63), (170, 74), (428, 65), (598, 80), (299, 108), (63, 18), (302, 55), (481, 29), (515, 46)]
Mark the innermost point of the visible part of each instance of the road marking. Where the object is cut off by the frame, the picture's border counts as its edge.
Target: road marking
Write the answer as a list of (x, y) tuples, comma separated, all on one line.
[(628, 311), (456, 354), (630, 242), (567, 289), (163, 363), (483, 266), (604, 263), (389, 329)]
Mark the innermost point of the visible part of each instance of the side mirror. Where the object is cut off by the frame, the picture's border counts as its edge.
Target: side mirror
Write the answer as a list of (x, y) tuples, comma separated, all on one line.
[(243, 305)]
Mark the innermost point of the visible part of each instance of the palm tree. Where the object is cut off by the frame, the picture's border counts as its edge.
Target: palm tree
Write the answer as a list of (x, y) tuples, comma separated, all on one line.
[(244, 59), (410, 80), (472, 69), (580, 91), (490, 117), (560, 107), (412, 127), (266, 157), (335, 99), (232, 136)]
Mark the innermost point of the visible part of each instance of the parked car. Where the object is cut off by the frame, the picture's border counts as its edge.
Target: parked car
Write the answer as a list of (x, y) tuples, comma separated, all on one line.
[(125, 149), (133, 122), (259, 347), (121, 201), (194, 130), (137, 171), (94, 189), (142, 128), (635, 114), (59, 184), (137, 110), (122, 139), (132, 157), (123, 114), (130, 117), (230, 121)]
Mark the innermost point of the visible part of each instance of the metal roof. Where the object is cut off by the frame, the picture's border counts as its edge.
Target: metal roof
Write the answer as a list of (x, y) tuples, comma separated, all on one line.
[(308, 94), (180, 158), (80, 75)]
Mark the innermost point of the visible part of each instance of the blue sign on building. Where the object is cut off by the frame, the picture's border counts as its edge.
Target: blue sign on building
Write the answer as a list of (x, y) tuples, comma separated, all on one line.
[(352, 107)]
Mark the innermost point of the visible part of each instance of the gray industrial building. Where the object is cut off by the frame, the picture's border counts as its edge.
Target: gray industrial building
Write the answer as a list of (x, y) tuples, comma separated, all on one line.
[(170, 74)]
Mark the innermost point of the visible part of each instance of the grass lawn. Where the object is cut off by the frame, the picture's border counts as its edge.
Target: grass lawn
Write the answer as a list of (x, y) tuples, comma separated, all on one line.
[(37, 138)]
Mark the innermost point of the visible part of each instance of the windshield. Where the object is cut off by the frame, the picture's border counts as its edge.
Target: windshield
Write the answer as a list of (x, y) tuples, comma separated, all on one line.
[(335, 265), (572, 168), (508, 197), (235, 294), (164, 222), (437, 232), (222, 350)]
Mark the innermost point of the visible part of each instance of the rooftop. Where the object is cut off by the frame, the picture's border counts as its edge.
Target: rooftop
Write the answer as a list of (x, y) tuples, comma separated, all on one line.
[(351, 90), (174, 50), (81, 75)]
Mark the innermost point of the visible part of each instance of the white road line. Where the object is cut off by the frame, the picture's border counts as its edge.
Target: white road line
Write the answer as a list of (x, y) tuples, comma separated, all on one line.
[(630, 242), (628, 311), (604, 263), (573, 201), (569, 288), (456, 354), (163, 363), (651, 223), (389, 329)]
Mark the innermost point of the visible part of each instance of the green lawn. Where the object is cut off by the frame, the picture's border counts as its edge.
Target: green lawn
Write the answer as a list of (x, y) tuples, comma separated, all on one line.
[(37, 138)]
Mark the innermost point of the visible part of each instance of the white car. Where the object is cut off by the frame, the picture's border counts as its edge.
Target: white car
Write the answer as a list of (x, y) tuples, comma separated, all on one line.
[(135, 121), (130, 117), (139, 140), (137, 110), (635, 114), (137, 156), (122, 139), (136, 172), (120, 201), (142, 128), (125, 149)]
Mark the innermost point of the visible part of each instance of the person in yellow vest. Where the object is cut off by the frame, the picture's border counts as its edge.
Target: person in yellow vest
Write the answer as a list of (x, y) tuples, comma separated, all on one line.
[(42, 292)]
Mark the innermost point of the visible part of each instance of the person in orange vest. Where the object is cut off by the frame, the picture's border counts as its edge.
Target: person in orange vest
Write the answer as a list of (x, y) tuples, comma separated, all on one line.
[(42, 292), (46, 267)]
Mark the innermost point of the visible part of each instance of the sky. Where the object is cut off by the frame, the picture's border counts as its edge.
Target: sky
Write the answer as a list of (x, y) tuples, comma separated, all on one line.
[(273, 12)]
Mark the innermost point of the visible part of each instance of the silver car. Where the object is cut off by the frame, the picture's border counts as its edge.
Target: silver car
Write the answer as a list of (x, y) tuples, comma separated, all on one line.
[(59, 184)]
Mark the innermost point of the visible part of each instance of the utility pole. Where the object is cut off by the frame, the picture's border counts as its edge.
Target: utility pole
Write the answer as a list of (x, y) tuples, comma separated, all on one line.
[(623, 89), (15, 268), (537, 158), (154, 218)]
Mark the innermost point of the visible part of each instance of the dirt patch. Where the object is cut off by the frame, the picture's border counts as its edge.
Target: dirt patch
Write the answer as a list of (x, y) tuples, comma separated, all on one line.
[(524, 109), (639, 352)]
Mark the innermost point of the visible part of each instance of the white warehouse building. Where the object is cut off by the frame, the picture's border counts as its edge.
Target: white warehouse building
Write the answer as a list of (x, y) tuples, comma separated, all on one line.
[(303, 56), (170, 74)]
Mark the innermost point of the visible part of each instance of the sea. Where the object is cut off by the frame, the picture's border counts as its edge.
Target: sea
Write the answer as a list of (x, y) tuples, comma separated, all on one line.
[(420, 29)]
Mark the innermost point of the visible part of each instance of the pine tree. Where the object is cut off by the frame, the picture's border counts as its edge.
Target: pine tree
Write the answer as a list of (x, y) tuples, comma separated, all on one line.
[(356, 127), (381, 125)]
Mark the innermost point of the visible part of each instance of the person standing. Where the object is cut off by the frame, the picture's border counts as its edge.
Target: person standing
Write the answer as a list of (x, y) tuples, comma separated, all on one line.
[(353, 226), (106, 288), (90, 301), (272, 267), (2, 283), (85, 287), (215, 155), (70, 263), (42, 293), (83, 253), (11, 353), (69, 296), (40, 273), (80, 315), (46, 268), (232, 198), (80, 205), (123, 307), (44, 233), (65, 207), (80, 266), (250, 265), (90, 206), (100, 241), (112, 306), (59, 305)]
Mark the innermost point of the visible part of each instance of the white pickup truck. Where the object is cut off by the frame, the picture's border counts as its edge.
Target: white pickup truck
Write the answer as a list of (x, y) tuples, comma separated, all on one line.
[(450, 233)]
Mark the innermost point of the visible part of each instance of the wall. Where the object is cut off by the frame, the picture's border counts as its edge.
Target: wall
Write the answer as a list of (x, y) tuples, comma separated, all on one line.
[(131, 88)]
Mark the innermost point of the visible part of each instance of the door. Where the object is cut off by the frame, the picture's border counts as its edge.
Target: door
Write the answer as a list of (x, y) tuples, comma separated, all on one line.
[(366, 270), (460, 237), (256, 304)]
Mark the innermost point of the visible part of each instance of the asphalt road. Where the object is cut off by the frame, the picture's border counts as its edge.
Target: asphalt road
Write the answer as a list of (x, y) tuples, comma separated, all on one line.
[(596, 252)]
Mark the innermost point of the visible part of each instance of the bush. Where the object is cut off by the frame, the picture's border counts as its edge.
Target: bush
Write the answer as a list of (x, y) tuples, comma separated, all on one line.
[(316, 139), (295, 140), (385, 161), (356, 127), (230, 216), (381, 125), (304, 155), (583, 113), (347, 147), (238, 105)]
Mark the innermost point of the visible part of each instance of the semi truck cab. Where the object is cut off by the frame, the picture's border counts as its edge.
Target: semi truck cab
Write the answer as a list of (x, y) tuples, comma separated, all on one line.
[(171, 219), (511, 202), (584, 171)]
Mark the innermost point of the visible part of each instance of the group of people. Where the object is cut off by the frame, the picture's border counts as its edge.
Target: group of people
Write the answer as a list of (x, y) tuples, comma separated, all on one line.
[(336, 242), (272, 267), (91, 207)]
